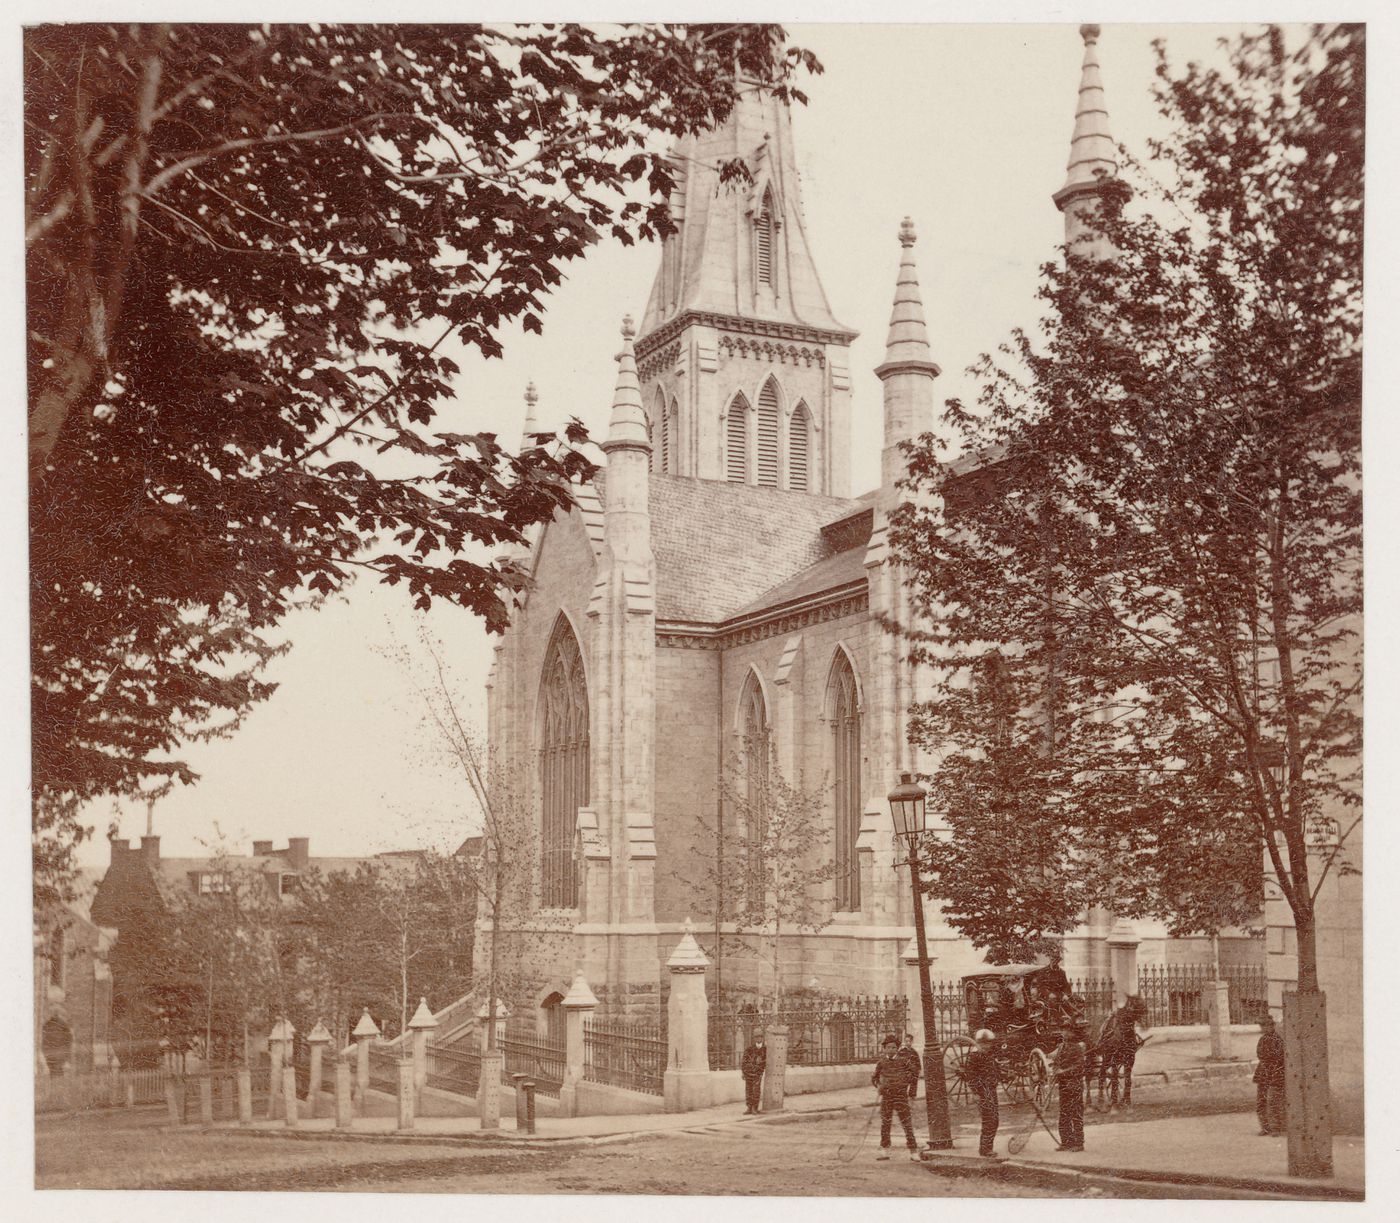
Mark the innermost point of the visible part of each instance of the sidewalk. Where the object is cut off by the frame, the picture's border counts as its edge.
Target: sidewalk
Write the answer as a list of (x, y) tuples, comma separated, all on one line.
[(1223, 1151)]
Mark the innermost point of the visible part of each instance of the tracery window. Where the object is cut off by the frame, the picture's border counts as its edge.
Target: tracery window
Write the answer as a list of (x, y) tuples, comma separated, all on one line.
[(756, 753), (844, 705), (563, 765)]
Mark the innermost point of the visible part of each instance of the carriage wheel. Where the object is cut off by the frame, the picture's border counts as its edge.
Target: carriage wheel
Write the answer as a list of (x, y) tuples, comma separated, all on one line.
[(955, 1082), (1042, 1080), (1018, 1083)]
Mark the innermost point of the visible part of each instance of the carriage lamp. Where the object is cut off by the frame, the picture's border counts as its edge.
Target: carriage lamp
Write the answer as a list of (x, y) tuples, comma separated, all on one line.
[(909, 809)]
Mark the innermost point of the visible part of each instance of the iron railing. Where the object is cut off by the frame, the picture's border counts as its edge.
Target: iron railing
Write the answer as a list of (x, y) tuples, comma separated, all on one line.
[(527, 1053), (454, 1069), (1177, 993), (623, 1054), (821, 1032)]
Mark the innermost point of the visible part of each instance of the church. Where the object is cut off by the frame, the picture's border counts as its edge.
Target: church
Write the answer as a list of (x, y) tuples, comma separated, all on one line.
[(719, 585)]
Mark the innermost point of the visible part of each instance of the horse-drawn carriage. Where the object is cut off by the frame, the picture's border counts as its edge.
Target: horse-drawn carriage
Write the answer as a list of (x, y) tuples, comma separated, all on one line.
[(1027, 1007)]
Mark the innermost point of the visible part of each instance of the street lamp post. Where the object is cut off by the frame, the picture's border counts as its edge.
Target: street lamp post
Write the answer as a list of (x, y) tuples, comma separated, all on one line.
[(908, 806)]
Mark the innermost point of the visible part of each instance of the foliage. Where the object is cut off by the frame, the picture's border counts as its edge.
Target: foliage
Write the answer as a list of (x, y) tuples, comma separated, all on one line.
[(1146, 594), (246, 248)]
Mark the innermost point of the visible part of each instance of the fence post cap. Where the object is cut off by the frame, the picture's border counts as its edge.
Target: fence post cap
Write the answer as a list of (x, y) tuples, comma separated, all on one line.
[(366, 1027), (422, 1017), (281, 1030), (1123, 934), (580, 997), (910, 954), (688, 957), (318, 1035)]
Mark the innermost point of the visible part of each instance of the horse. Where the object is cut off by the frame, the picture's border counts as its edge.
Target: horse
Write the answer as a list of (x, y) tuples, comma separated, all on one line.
[(1115, 1049)]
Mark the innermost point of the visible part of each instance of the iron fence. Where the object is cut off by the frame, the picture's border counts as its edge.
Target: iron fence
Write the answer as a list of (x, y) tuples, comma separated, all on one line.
[(1094, 997), (454, 1069), (1178, 994), (99, 1089), (821, 1032), (631, 1055), (533, 1055)]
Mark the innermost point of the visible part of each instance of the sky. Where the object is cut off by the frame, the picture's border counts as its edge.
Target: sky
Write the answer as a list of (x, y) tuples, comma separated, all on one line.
[(965, 128)]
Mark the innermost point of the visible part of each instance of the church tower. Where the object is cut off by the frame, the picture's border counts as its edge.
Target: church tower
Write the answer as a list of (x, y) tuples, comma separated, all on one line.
[(745, 373)]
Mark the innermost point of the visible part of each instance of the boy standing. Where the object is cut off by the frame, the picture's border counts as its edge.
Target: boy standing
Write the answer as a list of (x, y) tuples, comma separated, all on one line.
[(1069, 1076), (752, 1067), (1268, 1077), (981, 1074), (892, 1080)]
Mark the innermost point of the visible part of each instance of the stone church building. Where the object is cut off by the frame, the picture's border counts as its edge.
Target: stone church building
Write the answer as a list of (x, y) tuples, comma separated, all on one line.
[(720, 583)]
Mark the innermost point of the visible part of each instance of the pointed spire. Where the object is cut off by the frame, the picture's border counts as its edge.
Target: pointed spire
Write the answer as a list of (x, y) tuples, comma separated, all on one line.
[(1091, 147), (531, 426), (628, 427), (907, 348)]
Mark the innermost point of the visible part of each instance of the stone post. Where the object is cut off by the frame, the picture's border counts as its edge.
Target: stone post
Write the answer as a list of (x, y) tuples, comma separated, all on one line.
[(686, 1084), (1218, 1008), (343, 1111), (914, 1011), (318, 1039), (245, 1096), (1122, 960), (289, 1094), (488, 1091), (578, 1004), (405, 1093), (279, 1048), (131, 1095), (206, 1099), (365, 1033), (502, 1014), (517, 1085), (421, 1025), (776, 1037)]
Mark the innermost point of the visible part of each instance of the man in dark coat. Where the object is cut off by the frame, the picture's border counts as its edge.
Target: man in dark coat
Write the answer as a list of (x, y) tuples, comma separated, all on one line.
[(752, 1067), (980, 1071), (892, 1080), (1070, 1061), (914, 1061), (1268, 1078)]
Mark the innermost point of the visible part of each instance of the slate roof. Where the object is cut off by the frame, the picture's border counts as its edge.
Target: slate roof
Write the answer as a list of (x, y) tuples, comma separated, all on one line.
[(836, 570)]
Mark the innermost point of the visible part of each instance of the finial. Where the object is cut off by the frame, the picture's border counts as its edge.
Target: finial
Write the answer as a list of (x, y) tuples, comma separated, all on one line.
[(629, 328), (907, 236), (1089, 33), (532, 396)]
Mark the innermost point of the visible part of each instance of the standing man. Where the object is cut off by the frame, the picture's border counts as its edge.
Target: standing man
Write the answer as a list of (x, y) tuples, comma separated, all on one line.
[(1268, 1077), (1069, 1076), (752, 1067), (980, 1071), (914, 1061), (892, 1079)]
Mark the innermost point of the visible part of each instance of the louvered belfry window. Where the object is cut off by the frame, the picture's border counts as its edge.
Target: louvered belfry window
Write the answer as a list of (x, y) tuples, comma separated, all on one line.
[(799, 435), (563, 765), (736, 459), (845, 729), (756, 753), (768, 434), (763, 242)]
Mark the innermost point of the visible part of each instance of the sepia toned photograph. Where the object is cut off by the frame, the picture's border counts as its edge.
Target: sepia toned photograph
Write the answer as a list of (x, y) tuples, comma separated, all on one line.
[(698, 609)]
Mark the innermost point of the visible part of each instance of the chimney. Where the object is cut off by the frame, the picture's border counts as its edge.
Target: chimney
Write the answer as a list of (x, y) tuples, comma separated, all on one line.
[(299, 852), (150, 850), (261, 848), (120, 848)]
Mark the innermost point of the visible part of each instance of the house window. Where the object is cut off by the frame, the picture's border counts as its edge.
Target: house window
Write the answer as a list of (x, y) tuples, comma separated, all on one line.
[(755, 753), (768, 434), (737, 441), (287, 884), (764, 234), (799, 443), (563, 765), (845, 731), (213, 883)]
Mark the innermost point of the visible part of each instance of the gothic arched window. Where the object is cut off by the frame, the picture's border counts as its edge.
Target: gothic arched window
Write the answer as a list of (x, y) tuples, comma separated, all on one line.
[(736, 456), (764, 234), (563, 765), (844, 705), (768, 434), (753, 714), (799, 447), (669, 439), (658, 414)]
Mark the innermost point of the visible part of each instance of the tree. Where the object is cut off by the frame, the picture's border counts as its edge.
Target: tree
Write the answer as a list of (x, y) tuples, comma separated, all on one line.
[(1163, 543), (246, 249)]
